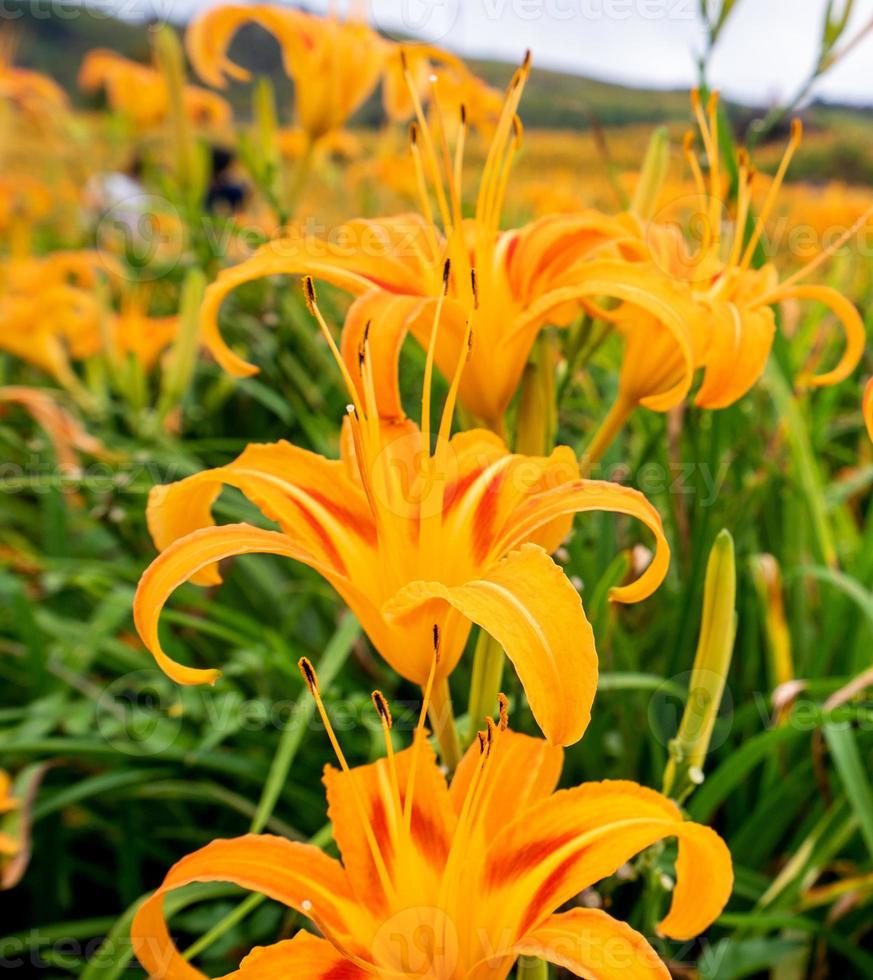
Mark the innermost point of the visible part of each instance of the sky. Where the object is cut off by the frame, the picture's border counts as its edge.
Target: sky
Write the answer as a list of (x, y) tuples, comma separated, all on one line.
[(763, 56)]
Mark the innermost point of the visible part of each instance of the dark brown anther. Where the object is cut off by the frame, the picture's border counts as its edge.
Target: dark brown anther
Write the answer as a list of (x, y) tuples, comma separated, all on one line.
[(436, 641), (309, 675), (309, 293), (447, 268), (381, 706), (474, 285)]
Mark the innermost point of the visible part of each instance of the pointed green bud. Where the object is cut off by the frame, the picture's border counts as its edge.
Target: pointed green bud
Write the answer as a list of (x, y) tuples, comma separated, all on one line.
[(712, 661)]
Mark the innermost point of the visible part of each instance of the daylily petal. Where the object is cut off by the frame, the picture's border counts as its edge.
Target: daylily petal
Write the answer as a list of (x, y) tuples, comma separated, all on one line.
[(531, 608), (390, 254), (867, 407), (417, 870), (846, 312), (491, 489), (521, 768), (593, 945), (298, 875), (191, 554), (739, 345), (587, 495), (66, 434), (637, 286), (304, 956), (579, 836), (209, 36), (383, 319), (310, 497)]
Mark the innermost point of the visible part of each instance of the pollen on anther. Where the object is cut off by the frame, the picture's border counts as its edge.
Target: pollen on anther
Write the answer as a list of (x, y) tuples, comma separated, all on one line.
[(308, 672), (309, 292), (436, 641), (503, 710), (447, 268), (381, 706)]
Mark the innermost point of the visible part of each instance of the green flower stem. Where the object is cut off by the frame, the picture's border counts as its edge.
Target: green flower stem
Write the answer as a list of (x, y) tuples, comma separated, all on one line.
[(486, 681)]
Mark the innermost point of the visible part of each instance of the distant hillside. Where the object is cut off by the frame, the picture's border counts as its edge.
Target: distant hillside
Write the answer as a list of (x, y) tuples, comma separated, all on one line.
[(553, 100)]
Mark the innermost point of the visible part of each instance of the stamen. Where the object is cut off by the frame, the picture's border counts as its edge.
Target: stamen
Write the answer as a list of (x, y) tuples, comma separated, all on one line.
[(503, 711), (714, 164), (384, 712), (492, 168), (309, 675), (693, 162), (773, 295), (421, 181), (428, 367), (770, 200), (744, 197), (460, 145), (419, 731), (429, 150), (437, 110), (312, 306)]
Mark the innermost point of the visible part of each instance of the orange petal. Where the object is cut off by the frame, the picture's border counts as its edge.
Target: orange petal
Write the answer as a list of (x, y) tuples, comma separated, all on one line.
[(420, 869), (311, 498), (530, 607), (522, 769), (387, 254), (304, 956), (847, 314), (579, 836), (587, 495), (66, 434), (298, 875), (867, 407), (383, 318), (188, 556), (209, 36), (180, 562), (739, 345), (638, 286), (591, 944)]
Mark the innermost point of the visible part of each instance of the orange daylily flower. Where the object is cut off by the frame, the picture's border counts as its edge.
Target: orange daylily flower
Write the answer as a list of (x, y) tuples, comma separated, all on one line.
[(49, 311), (67, 436), (412, 537), (526, 278), (140, 92), (867, 407), (51, 314), (33, 93), (8, 803), (444, 882), (733, 329), (335, 65)]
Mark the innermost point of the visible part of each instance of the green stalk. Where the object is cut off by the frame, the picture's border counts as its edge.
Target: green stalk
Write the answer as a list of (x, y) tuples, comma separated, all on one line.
[(486, 681), (621, 411), (531, 969), (442, 719)]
